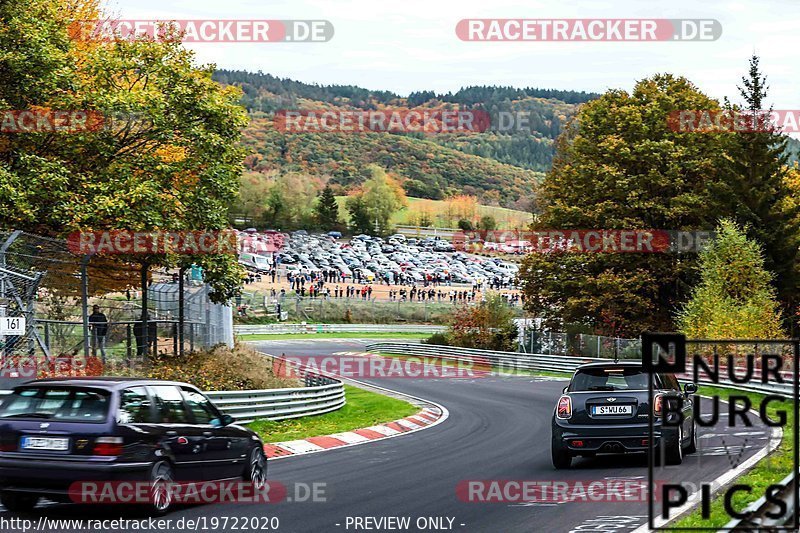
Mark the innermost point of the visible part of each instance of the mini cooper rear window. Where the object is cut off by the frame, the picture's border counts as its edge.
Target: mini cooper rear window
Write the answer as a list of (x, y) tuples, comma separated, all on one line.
[(63, 404), (609, 379)]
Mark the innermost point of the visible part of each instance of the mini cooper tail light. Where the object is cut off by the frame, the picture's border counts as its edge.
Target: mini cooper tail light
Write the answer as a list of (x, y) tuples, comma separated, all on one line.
[(107, 446), (658, 404), (564, 409)]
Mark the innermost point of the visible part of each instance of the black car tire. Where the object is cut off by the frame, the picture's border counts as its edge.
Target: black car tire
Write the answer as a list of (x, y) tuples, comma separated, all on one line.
[(561, 457), (692, 446), (256, 470), (673, 454), (18, 503), (161, 476)]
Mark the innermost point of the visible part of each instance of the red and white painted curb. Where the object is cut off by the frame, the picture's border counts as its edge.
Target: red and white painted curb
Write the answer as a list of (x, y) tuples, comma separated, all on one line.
[(427, 417)]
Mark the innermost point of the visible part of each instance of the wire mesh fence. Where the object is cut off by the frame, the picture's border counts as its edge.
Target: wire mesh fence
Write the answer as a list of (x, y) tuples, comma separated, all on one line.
[(579, 344), (80, 307)]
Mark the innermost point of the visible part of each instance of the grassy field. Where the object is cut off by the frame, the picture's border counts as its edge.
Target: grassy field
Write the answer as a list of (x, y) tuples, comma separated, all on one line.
[(344, 335), (363, 409), (437, 210), (771, 469)]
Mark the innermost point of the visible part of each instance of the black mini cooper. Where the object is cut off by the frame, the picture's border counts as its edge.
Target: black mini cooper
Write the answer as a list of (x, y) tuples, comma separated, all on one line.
[(55, 432), (606, 409)]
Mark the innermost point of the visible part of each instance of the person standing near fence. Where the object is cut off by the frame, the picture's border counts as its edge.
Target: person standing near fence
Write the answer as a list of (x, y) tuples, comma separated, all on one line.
[(99, 324)]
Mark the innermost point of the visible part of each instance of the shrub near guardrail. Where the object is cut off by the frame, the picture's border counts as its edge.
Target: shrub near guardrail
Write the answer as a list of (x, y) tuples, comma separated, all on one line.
[(219, 369)]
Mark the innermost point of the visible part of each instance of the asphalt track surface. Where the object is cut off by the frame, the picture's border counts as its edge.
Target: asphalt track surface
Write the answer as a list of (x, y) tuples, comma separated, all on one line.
[(498, 429)]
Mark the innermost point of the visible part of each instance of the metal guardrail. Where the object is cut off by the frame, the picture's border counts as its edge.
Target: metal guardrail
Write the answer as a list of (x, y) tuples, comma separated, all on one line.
[(320, 395), (510, 361), (280, 404), (757, 519), (276, 329)]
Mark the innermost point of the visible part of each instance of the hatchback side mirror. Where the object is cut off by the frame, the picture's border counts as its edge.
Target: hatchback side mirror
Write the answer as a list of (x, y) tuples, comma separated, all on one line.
[(690, 388), (227, 420)]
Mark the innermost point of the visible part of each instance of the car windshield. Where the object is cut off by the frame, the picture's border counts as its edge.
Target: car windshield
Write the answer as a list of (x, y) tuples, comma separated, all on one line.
[(609, 379), (66, 404)]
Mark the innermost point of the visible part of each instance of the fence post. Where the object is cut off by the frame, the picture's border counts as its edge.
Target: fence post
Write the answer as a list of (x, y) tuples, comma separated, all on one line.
[(598, 346), (85, 305), (181, 275), (128, 341)]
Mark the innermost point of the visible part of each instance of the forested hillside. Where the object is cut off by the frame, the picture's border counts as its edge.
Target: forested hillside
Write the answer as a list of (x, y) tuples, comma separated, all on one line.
[(501, 166)]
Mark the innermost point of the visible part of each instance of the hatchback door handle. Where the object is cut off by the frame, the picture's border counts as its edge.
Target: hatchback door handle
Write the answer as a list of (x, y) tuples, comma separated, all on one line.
[(208, 434), (171, 433)]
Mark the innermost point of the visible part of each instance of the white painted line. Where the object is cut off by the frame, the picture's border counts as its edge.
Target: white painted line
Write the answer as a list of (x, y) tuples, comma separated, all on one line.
[(299, 446), (349, 437)]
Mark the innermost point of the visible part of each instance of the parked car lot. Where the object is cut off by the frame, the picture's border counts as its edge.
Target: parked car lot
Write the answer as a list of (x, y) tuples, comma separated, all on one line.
[(396, 259), (55, 432)]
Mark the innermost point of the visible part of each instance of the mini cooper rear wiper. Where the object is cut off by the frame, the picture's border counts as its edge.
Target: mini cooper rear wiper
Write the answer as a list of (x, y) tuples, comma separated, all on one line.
[(602, 387), (27, 415)]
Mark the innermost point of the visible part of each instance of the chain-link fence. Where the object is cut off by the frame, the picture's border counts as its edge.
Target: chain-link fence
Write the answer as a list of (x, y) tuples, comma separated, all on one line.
[(579, 344), (77, 307)]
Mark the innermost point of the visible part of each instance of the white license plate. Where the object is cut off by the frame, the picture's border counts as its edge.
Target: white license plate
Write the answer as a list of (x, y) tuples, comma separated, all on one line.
[(612, 410), (45, 443)]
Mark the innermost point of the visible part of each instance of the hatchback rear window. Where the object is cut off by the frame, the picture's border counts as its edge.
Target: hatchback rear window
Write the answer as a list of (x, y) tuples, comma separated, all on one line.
[(66, 404), (609, 379)]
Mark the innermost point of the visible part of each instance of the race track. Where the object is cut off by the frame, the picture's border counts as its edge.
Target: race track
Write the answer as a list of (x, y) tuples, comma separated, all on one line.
[(498, 428)]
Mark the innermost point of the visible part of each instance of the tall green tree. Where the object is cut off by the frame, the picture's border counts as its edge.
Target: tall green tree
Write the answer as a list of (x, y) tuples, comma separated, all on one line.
[(735, 298), (359, 216), (167, 156), (379, 198), (620, 166), (326, 211), (289, 202), (756, 186)]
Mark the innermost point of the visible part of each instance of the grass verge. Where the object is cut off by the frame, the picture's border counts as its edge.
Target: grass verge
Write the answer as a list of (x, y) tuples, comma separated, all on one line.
[(344, 335), (363, 408), (769, 470)]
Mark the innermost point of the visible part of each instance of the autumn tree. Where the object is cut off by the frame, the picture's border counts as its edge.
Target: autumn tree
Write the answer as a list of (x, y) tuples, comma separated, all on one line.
[(489, 325), (735, 298), (290, 201), (620, 166), (379, 198)]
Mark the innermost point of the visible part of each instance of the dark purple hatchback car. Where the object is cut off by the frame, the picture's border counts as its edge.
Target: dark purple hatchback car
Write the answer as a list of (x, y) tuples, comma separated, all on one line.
[(55, 432)]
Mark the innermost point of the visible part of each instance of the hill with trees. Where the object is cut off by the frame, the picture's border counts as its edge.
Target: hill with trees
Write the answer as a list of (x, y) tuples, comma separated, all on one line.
[(500, 166)]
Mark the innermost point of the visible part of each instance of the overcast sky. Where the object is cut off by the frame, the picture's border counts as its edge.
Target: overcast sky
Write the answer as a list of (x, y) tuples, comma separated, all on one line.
[(411, 44)]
